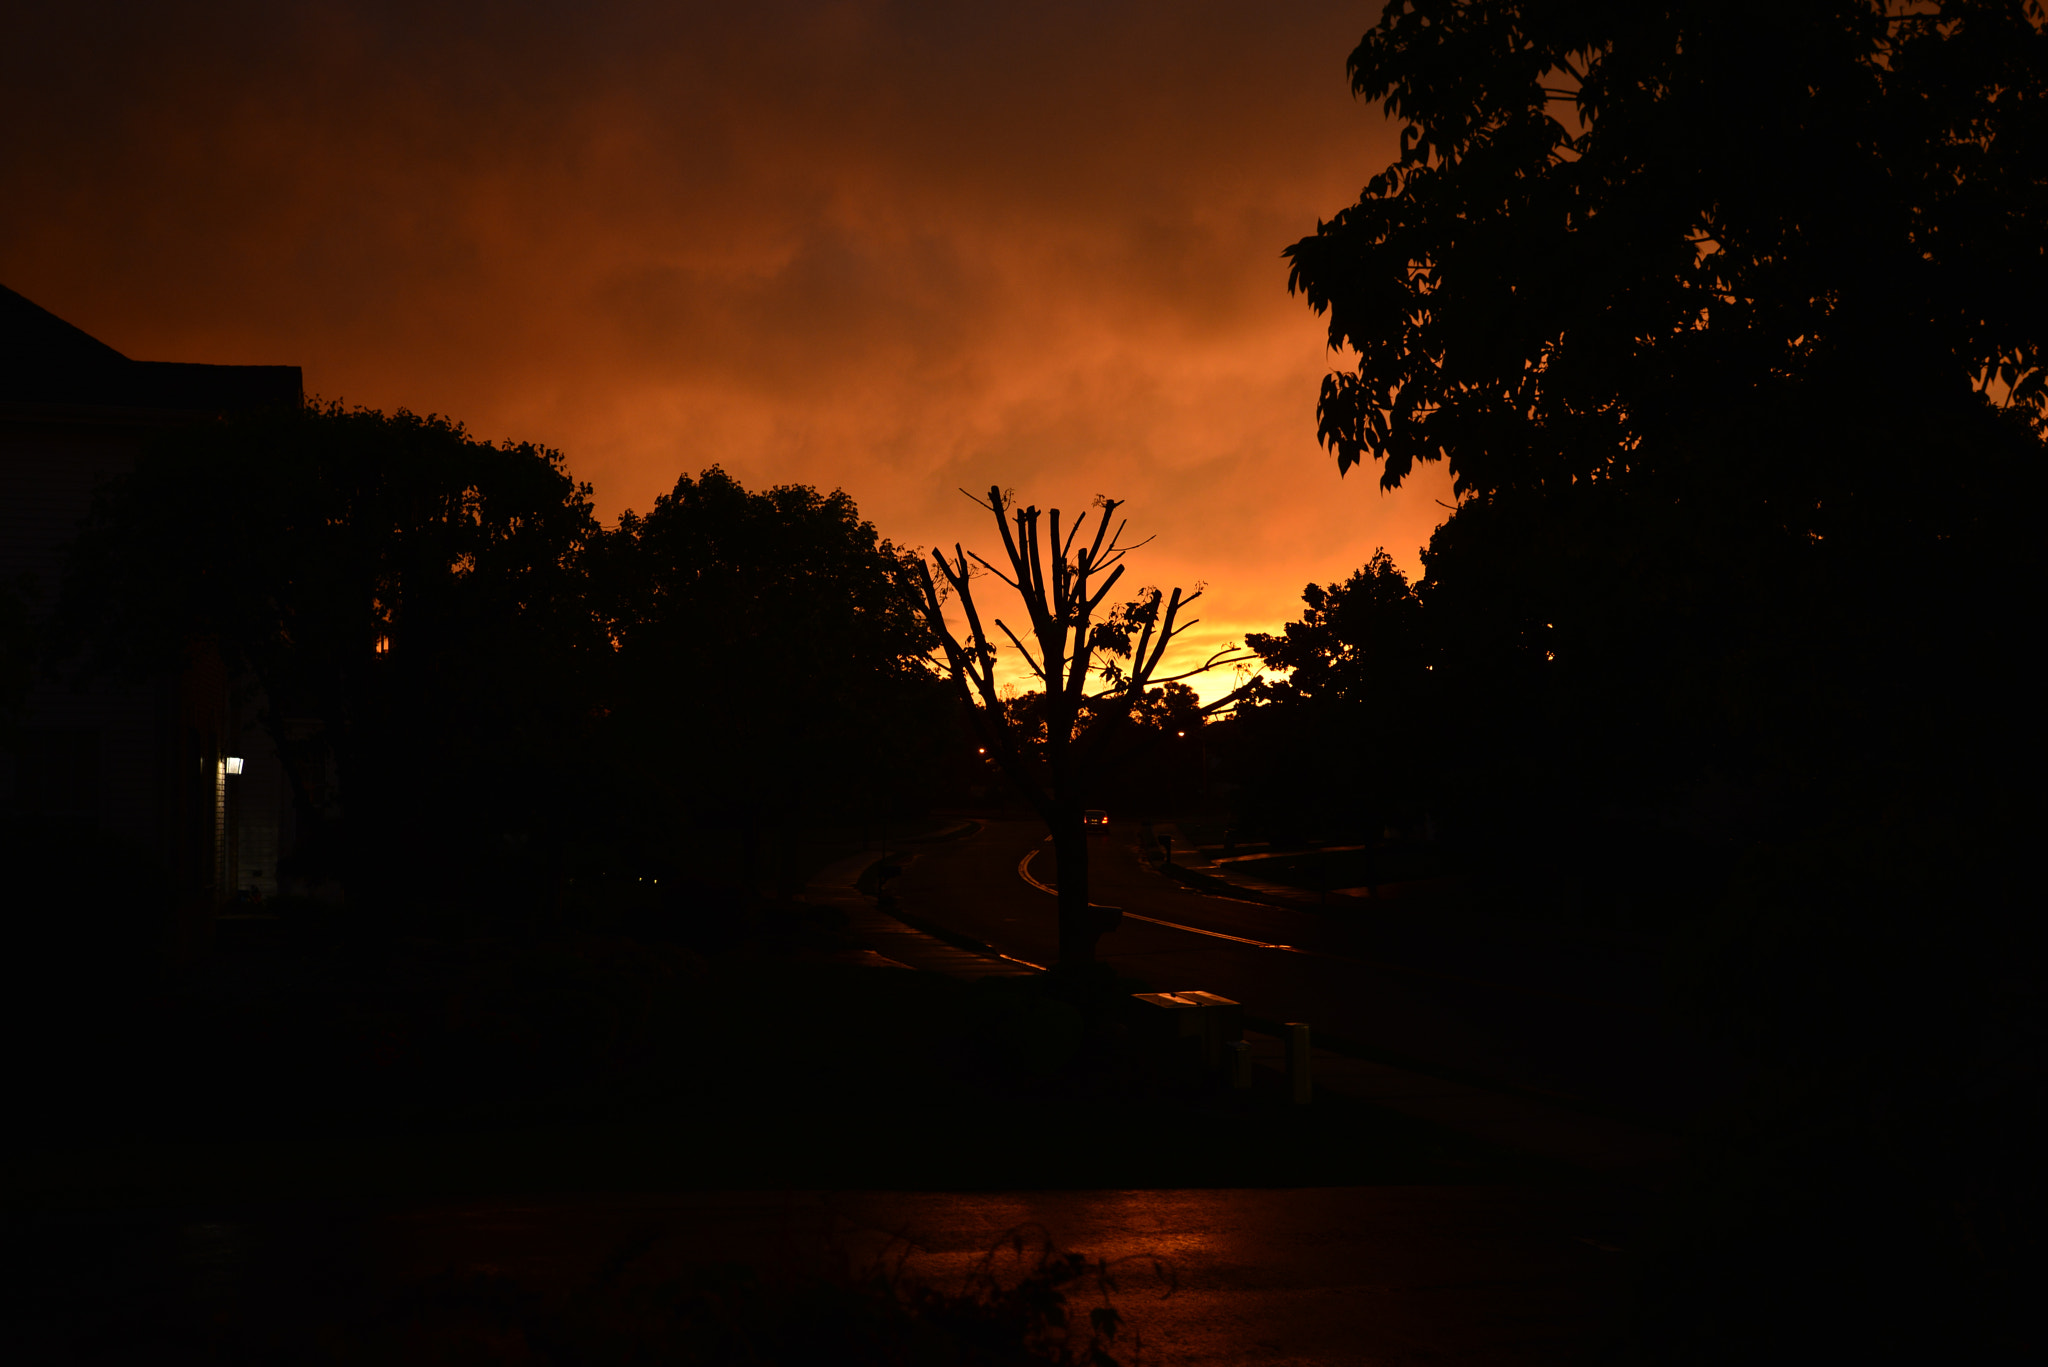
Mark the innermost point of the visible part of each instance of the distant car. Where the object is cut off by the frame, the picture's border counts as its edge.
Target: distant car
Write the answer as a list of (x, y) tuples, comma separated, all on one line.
[(1095, 816)]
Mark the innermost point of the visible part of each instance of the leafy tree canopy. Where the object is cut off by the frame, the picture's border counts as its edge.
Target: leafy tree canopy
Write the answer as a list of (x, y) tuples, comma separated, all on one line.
[(765, 580), (1725, 318), (769, 649), (1358, 642), (1618, 228), (318, 547), (1336, 742), (1731, 323)]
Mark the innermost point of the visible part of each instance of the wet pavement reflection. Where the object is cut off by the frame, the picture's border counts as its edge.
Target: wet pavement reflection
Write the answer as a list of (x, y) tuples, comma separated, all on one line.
[(1477, 1274)]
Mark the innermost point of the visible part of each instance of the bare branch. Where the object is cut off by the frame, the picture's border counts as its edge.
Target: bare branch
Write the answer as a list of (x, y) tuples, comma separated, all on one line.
[(1009, 544), (1103, 592), (1165, 636), (1068, 548), (1230, 699), (1059, 567), (1119, 552), (1204, 668), (1063, 599), (1027, 533), (1036, 668), (1120, 693), (984, 677), (1078, 661), (996, 572), (1136, 674), (1109, 507)]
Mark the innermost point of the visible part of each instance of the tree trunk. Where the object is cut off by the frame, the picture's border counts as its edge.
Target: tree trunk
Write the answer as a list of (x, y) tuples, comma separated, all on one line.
[(1079, 926)]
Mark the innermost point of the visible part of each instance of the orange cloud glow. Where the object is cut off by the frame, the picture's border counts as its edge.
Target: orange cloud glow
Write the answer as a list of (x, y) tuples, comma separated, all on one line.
[(894, 248)]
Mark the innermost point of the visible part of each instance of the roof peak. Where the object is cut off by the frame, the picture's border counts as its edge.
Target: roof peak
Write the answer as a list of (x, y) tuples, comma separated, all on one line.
[(45, 360), (32, 337)]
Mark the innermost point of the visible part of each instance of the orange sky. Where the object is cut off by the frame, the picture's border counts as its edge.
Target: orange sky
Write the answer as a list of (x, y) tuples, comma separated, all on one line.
[(895, 248)]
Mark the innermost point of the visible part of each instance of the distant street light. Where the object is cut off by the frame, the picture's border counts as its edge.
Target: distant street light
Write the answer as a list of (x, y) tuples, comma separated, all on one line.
[(234, 764)]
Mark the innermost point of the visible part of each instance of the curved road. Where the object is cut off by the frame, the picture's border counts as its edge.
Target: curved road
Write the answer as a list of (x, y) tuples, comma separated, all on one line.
[(1509, 1004)]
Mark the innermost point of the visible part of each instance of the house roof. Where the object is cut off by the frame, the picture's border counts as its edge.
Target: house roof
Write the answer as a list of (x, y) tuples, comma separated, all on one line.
[(46, 361)]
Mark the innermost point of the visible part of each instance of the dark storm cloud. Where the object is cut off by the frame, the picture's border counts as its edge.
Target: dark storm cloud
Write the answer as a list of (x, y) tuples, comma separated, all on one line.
[(898, 247)]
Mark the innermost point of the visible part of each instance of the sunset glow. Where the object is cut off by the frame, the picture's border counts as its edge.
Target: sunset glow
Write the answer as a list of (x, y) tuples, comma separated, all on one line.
[(896, 249)]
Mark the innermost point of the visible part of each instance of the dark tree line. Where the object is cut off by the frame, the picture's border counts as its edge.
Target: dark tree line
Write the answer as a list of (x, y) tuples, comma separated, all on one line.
[(481, 696), (1728, 325), (769, 649), (1342, 743), (1731, 323)]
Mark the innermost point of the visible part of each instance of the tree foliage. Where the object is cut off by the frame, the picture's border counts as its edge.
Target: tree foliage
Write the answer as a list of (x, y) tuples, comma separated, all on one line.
[(1338, 737), (1359, 643), (410, 601), (1617, 228), (1731, 323), (1725, 320), (770, 653), (477, 692)]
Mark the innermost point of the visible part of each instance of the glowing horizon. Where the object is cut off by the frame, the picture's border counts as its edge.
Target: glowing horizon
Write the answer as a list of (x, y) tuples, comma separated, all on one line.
[(873, 247)]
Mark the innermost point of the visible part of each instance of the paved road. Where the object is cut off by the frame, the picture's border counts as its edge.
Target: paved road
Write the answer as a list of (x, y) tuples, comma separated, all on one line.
[(1515, 1006)]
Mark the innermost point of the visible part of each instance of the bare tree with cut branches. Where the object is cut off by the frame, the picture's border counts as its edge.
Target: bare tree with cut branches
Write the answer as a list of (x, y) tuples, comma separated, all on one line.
[(1068, 638)]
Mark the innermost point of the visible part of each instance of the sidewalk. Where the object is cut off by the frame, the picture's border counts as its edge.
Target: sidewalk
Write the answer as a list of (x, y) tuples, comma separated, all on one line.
[(1188, 862), (1506, 1120), (1233, 875)]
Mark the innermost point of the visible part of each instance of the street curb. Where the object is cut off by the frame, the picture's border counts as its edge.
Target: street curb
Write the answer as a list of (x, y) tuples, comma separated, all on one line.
[(1578, 1135), (1210, 882), (839, 884), (886, 904)]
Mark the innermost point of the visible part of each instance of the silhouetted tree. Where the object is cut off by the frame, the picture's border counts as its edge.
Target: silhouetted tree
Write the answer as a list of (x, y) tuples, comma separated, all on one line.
[(1339, 733), (1062, 588), (1149, 762), (1359, 643), (1612, 222), (1172, 709), (1731, 323), (1707, 309), (411, 605), (771, 664)]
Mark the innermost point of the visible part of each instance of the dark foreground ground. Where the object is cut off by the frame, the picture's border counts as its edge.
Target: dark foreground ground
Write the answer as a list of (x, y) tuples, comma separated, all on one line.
[(586, 1151), (1396, 1274)]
